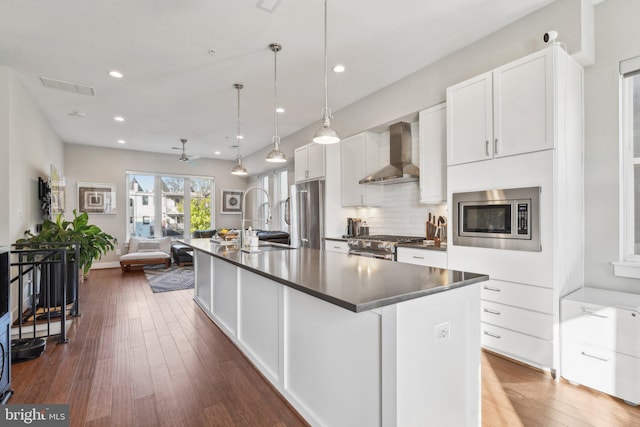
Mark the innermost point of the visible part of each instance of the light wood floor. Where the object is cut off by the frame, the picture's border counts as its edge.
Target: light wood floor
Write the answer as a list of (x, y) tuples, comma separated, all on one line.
[(141, 359)]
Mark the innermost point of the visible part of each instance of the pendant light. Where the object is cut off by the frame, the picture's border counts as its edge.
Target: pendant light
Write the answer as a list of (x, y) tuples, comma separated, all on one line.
[(326, 134), (239, 169), (275, 155)]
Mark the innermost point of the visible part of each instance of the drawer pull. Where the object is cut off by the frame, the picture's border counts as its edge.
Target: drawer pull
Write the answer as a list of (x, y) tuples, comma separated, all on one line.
[(336, 247), (595, 357), (418, 257), (492, 335), (489, 288), (593, 313), (486, 310)]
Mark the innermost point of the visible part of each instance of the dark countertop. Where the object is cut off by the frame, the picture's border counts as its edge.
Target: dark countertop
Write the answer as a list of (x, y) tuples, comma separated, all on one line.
[(420, 246), (353, 282)]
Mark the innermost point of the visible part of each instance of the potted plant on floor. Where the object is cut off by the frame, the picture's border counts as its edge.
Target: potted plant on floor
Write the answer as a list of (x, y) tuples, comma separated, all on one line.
[(92, 240)]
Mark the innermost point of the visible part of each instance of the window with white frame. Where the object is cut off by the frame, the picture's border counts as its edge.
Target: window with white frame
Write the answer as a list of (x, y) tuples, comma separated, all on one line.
[(629, 265), (167, 205), (280, 199), (276, 183)]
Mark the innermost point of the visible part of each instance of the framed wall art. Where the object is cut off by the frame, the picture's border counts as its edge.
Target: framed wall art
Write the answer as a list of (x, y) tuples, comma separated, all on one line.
[(231, 202), (96, 198)]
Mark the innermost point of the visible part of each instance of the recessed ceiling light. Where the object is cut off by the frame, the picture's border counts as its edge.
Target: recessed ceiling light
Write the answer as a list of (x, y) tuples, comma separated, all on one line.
[(239, 137), (279, 110), (338, 68), (217, 153), (121, 141), (116, 74), (118, 119)]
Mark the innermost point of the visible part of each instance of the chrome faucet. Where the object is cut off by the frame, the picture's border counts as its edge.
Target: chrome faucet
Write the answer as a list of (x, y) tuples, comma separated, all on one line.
[(266, 220)]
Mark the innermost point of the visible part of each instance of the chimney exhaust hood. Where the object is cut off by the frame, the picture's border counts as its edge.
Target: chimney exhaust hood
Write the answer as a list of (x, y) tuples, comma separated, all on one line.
[(401, 169)]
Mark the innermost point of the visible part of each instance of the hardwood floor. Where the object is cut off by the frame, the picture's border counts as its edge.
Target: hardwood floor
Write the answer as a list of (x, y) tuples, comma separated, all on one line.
[(136, 358)]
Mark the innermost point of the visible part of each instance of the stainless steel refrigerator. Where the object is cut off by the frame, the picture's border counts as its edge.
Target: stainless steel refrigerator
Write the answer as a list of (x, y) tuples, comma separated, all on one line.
[(306, 214)]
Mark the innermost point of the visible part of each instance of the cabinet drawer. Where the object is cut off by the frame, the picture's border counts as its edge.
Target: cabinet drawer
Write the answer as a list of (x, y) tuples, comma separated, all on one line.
[(524, 347), (604, 370), (336, 246), (610, 328), (529, 322), (516, 294), (426, 257)]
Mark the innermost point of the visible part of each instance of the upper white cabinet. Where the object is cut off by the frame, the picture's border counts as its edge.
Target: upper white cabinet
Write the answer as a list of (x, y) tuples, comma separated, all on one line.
[(504, 112), (360, 157), (309, 162), (433, 154)]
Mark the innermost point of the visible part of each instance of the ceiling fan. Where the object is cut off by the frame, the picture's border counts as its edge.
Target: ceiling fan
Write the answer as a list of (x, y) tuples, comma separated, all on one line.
[(183, 156)]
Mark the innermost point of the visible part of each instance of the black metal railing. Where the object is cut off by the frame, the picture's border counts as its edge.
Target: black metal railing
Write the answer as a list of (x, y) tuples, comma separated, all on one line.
[(51, 270)]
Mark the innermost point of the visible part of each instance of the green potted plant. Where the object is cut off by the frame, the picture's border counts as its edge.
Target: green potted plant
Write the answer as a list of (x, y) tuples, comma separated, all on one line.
[(93, 241)]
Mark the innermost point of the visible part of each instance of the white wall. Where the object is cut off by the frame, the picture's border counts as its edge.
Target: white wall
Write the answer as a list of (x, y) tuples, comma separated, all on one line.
[(105, 165), (617, 39), (28, 148)]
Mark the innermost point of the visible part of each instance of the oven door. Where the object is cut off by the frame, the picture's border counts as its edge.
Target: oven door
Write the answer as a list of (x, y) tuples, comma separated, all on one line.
[(371, 253)]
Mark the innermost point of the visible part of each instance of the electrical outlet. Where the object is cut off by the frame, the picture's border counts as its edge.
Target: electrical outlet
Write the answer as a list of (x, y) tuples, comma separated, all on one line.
[(118, 251), (442, 332)]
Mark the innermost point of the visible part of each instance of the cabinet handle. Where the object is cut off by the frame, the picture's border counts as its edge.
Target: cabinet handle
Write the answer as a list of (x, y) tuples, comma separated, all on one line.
[(486, 310), (336, 247), (492, 335), (486, 146), (595, 357), (495, 146), (418, 257), (489, 288), (362, 199), (593, 313)]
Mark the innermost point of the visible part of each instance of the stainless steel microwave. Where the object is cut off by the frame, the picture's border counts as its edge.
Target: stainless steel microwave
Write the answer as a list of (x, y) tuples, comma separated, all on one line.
[(500, 219)]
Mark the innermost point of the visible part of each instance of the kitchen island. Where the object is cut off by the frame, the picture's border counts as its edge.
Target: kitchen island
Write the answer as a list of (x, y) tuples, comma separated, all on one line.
[(348, 340)]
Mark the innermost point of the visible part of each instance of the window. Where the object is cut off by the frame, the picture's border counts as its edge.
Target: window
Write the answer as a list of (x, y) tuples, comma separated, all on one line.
[(281, 196), (163, 205), (629, 265), (263, 182)]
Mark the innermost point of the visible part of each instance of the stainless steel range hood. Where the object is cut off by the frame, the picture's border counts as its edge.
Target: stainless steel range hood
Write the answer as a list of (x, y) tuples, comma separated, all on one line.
[(401, 169)]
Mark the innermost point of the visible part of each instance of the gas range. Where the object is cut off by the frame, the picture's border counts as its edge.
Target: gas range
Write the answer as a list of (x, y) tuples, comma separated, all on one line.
[(378, 246)]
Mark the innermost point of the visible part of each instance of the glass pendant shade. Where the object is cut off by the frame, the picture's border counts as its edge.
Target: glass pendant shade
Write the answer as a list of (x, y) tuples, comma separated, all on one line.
[(326, 134), (276, 155)]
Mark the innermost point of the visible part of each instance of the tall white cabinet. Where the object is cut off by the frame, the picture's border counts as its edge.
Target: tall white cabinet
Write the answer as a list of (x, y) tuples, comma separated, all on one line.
[(433, 143), (521, 125), (360, 157)]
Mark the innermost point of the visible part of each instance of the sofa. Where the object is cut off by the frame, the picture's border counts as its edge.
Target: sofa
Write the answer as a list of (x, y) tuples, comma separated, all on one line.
[(146, 252)]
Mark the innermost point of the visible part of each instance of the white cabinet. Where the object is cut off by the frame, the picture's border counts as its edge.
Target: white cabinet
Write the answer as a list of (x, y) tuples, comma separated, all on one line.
[(433, 154), (427, 257), (309, 162), (517, 320), (601, 341), (524, 121), (360, 157), (507, 111), (336, 246)]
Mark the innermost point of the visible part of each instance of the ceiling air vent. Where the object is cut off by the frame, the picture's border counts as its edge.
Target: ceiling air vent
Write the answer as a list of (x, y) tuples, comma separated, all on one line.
[(67, 86)]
